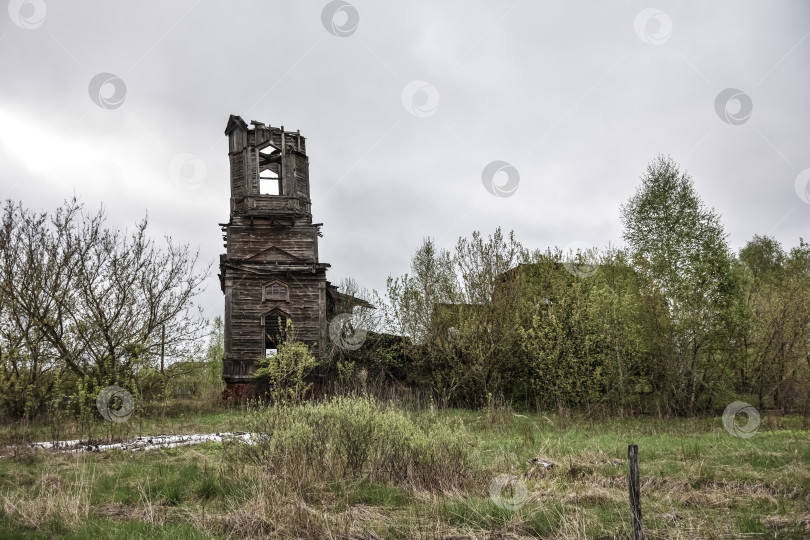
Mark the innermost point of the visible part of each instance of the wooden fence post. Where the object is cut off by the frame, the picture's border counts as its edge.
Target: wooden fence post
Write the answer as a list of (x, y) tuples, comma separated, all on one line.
[(635, 493)]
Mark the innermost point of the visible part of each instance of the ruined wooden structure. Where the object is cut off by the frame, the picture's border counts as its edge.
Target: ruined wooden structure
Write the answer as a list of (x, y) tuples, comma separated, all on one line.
[(270, 272)]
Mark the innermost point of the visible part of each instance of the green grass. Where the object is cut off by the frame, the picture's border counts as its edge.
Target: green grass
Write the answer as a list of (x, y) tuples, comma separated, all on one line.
[(697, 481), (369, 493)]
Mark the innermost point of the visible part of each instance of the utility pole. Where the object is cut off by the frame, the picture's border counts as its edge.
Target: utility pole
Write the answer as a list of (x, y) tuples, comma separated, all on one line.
[(162, 346)]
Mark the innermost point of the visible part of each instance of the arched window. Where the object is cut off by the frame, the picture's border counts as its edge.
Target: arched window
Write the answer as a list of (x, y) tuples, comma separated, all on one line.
[(275, 325), (269, 182), (275, 291)]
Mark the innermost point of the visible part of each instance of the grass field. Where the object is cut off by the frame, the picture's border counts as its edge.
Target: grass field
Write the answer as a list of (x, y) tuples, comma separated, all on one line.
[(351, 470)]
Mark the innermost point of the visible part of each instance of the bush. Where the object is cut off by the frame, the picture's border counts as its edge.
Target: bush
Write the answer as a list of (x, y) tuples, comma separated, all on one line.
[(283, 375), (356, 438)]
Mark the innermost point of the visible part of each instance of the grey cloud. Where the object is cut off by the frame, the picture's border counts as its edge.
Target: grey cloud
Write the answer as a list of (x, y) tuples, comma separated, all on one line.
[(566, 92)]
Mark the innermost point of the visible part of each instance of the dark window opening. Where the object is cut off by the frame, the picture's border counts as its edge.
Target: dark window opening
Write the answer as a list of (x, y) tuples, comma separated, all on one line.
[(274, 326)]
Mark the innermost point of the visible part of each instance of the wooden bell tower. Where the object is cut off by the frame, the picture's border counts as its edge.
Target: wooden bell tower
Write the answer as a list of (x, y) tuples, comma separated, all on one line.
[(270, 270)]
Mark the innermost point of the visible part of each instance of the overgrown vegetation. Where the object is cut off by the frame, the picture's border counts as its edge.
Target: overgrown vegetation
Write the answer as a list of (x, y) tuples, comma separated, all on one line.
[(355, 438), (562, 357), (282, 377), (675, 323), (84, 306), (354, 468)]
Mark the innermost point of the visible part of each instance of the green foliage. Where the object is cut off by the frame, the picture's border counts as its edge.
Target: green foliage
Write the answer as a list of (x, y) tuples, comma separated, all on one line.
[(522, 326), (582, 347), (775, 344), (460, 323), (675, 323), (283, 375), (215, 352), (25, 388), (679, 249), (379, 357)]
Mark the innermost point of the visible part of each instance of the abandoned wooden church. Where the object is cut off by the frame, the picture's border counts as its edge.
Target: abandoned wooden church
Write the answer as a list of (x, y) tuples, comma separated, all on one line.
[(270, 271)]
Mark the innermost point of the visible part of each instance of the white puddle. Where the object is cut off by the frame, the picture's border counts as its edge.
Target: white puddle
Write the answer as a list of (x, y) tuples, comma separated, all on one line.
[(152, 442)]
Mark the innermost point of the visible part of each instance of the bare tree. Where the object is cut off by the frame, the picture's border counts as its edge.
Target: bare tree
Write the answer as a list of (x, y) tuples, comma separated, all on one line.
[(80, 296)]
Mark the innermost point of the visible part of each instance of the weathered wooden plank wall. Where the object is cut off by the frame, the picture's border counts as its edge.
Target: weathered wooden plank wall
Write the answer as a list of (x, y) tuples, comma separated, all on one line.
[(268, 239)]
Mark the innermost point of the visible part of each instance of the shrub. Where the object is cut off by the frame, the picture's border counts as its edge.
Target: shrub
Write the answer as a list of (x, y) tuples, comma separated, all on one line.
[(283, 375), (351, 437)]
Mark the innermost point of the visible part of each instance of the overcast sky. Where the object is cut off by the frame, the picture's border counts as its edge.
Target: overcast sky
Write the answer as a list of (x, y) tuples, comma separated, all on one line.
[(404, 106)]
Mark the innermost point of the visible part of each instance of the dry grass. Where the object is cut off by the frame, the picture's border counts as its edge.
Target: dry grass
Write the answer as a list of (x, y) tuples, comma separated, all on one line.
[(335, 480), (51, 498)]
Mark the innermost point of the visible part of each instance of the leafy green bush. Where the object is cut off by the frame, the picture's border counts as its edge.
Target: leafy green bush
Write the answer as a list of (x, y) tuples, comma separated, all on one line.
[(283, 374)]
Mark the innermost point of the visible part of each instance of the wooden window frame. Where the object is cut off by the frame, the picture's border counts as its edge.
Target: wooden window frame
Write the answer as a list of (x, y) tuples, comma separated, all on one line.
[(286, 287)]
